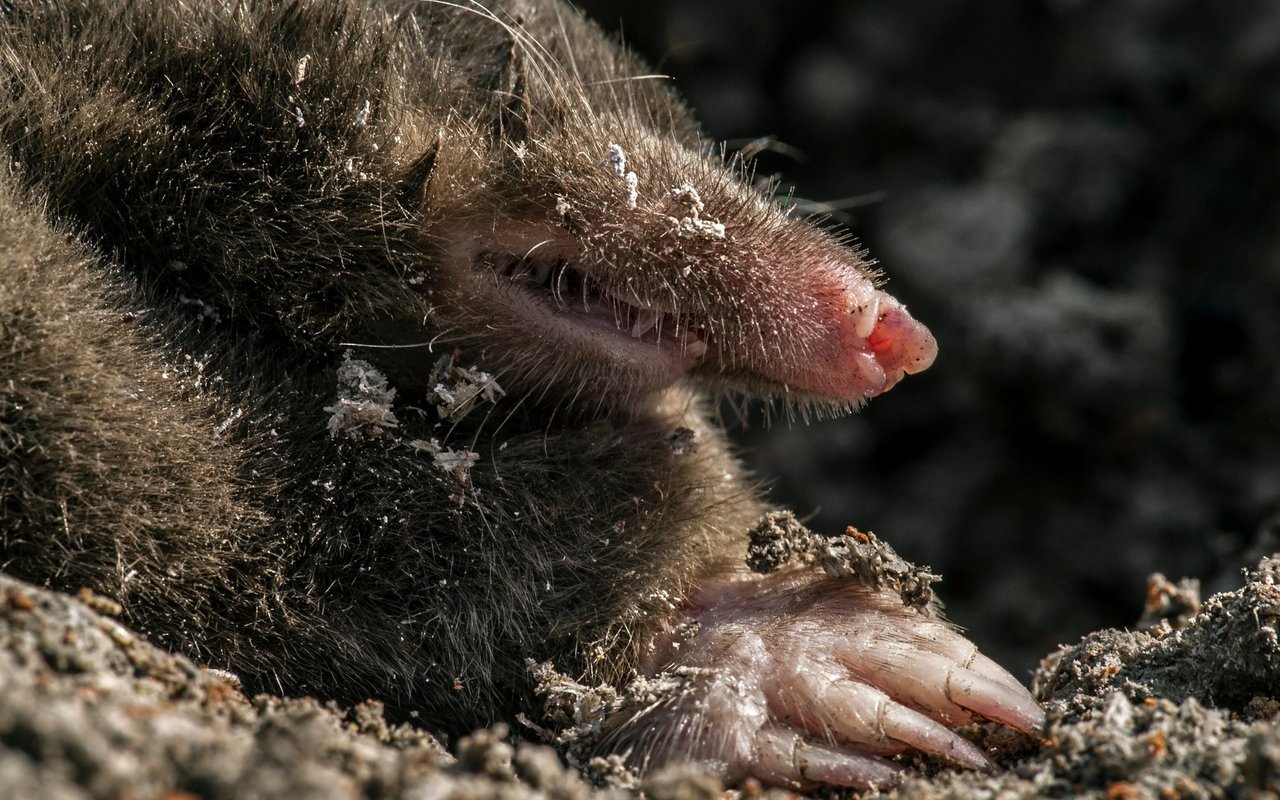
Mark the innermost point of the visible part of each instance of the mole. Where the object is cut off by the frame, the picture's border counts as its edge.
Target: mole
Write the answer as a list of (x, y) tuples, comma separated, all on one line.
[(373, 350)]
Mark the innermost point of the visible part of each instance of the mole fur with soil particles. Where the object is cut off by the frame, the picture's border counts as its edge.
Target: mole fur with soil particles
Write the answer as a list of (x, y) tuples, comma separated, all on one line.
[(366, 350)]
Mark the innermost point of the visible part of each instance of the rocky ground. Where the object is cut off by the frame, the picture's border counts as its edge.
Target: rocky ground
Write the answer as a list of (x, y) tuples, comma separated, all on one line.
[(1184, 709)]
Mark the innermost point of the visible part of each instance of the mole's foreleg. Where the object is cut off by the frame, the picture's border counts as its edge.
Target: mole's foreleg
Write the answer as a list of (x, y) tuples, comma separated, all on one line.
[(799, 679)]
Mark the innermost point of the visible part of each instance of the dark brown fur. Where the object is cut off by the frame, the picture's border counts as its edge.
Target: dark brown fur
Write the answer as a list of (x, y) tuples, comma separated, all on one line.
[(193, 236), (229, 231)]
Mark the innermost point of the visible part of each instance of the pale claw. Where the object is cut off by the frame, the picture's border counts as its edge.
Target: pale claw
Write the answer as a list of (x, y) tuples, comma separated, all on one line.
[(785, 757), (798, 679), (973, 684), (945, 641), (858, 714), (994, 700), (993, 671)]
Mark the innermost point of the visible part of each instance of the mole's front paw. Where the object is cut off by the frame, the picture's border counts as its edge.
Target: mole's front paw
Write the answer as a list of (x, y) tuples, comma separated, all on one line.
[(798, 681)]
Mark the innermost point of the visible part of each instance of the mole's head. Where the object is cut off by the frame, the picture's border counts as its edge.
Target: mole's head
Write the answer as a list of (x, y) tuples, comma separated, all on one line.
[(594, 247)]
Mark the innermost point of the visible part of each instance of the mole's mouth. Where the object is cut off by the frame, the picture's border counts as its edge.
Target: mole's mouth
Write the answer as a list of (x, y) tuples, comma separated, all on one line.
[(817, 330), (572, 299)]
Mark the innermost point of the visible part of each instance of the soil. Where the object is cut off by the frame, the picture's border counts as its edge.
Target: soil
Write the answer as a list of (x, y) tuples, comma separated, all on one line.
[(1185, 709), (1080, 198)]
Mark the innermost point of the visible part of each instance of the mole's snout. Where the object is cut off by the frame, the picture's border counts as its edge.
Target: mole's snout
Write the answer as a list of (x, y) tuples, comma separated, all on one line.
[(854, 342)]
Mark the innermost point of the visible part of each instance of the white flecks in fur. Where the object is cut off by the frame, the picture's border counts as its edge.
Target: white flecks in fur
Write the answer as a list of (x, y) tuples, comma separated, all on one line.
[(617, 160), (231, 419), (363, 409), (631, 183), (687, 196), (457, 463), (362, 116), (300, 69), (352, 170), (457, 390), (692, 223), (430, 446)]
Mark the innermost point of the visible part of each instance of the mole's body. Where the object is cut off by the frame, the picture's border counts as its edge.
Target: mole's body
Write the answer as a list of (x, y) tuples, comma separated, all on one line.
[(237, 239)]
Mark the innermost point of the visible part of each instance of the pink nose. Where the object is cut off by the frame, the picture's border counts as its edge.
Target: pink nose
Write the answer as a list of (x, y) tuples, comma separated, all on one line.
[(870, 342), (901, 344)]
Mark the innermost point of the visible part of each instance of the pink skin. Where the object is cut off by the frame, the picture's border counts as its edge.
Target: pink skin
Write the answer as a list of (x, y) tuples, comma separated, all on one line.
[(871, 342), (811, 680)]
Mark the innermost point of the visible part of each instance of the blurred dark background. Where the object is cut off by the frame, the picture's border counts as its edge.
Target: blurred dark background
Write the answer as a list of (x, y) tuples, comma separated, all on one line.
[(1082, 200)]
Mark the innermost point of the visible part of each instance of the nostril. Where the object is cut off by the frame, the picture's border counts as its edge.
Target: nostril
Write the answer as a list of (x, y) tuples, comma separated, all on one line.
[(900, 342), (879, 343)]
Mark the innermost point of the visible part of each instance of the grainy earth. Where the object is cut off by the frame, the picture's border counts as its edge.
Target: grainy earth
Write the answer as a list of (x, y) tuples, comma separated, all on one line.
[(1185, 709), (1080, 198)]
